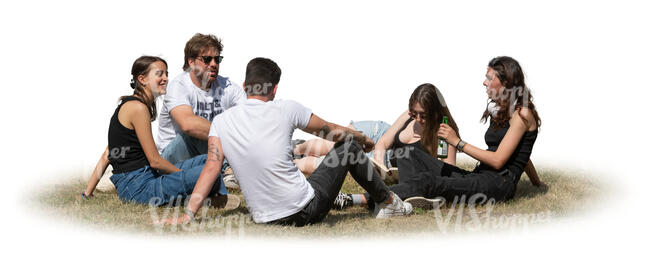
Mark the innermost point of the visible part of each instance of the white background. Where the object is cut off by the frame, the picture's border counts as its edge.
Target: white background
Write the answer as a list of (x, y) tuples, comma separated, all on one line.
[(64, 64)]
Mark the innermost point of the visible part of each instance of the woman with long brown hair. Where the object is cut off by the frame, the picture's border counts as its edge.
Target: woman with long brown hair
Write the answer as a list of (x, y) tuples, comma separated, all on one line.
[(415, 130), (140, 174)]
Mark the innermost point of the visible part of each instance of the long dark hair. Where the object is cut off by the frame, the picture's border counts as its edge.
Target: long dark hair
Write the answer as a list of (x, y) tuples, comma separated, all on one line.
[(430, 98), (141, 67), (514, 96)]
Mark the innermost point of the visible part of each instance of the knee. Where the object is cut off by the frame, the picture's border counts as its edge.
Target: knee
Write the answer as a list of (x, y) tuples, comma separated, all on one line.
[(351, 145)]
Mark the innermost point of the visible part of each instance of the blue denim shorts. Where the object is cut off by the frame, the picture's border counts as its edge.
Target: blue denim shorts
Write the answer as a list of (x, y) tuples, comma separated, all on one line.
[(147, 186), (374, 130)]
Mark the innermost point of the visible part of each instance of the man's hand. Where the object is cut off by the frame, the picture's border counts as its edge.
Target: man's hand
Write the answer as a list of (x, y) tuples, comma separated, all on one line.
[(174, 221), (367, 144)]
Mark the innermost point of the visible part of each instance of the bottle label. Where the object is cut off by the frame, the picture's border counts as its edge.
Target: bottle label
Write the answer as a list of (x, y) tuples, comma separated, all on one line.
[(443, 148)]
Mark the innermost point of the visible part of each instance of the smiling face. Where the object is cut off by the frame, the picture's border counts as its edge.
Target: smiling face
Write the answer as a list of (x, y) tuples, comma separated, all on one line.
[(204, 72), (492, 84), (156, 79)]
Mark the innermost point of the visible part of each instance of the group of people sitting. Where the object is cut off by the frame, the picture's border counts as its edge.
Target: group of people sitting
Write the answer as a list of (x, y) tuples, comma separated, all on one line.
[(213, 133)]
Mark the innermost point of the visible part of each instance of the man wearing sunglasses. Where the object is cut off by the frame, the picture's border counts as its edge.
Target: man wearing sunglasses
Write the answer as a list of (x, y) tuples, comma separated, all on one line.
[(193, 99)]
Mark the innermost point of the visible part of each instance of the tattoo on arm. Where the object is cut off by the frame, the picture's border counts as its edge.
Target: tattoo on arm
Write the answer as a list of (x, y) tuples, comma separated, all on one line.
[(213, 153), (325, 130)]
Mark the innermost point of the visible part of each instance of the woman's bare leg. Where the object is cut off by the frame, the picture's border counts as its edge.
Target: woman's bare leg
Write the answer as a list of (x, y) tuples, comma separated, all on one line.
[(307, 164), (314, 147)]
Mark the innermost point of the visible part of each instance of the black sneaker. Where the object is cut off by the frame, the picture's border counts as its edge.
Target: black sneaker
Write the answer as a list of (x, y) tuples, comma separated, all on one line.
[(342, 201)]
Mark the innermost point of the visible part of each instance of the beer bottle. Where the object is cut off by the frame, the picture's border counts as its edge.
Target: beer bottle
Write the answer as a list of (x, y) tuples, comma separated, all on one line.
[(443, 147)]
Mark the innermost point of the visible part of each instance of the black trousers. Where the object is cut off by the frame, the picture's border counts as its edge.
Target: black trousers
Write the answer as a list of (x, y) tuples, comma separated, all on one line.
[(426, 176), (327, 179)]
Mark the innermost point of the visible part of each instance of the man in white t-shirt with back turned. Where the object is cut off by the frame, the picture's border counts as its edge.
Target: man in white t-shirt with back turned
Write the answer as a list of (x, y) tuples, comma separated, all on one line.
[(193, 99), (255, 138)]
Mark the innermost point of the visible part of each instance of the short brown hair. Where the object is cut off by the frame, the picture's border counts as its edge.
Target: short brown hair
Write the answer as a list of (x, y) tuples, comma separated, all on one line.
[(199, 43), (262, 74)]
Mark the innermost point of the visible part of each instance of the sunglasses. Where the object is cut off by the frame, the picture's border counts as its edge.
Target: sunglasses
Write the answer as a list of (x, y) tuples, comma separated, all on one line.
[(208, 59), (414, 115)]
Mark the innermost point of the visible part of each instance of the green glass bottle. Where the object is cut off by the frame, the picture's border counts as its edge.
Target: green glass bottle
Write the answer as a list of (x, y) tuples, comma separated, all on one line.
[(443, 147)]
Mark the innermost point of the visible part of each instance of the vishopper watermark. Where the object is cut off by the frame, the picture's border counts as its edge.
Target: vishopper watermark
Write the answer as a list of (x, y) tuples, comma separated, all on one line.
[(510, 96), (118, 152), (258, 89), (353, 157), (231, 225), (469, 218)]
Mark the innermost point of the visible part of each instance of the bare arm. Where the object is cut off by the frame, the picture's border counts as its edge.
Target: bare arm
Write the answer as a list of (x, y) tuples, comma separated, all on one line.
[(335, 133), (97, 174), (209, 174), (507, 146), (141, 121), (531, 172), (451, 156), (190, 124), (206, 181), (387, 140)]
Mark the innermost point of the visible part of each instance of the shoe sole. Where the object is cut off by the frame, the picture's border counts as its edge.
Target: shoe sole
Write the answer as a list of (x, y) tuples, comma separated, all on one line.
[(423, 203), (226, 202), (409, 211), (231, 185)]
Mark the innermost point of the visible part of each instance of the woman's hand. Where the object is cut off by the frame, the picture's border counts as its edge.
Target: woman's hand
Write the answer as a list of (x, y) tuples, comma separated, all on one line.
[(448, 134)]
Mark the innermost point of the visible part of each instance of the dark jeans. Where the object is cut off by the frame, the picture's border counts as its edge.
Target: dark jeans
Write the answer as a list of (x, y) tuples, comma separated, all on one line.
[(426, 176), (328, 178)]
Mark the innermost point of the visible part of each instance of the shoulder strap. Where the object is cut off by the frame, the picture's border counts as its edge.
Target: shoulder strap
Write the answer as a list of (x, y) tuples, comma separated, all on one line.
[(396, 138)]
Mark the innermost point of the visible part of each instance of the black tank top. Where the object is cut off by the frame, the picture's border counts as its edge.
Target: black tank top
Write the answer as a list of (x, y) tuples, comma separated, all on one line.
[(400, 149), (398, 143), (124, 150), (519, 158)]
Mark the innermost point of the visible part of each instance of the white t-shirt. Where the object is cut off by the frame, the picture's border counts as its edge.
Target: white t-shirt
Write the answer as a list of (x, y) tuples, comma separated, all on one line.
[(222, 95), (256, 140)]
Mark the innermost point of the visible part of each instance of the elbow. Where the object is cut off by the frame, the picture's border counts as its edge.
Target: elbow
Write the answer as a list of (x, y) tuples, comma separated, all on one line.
[(499, 163), (187, 129), (156, 163)]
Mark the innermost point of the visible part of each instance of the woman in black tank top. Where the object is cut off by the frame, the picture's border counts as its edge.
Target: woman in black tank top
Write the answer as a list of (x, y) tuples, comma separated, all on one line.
[(140, 174), (414, 131)]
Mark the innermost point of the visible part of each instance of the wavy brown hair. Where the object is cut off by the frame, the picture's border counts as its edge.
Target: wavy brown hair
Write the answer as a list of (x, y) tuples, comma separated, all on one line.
[(514, 96), (430, 98), (200, 43), (141, 66)]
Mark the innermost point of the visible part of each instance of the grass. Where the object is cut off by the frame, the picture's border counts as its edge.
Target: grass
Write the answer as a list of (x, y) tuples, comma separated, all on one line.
[(568, 193)]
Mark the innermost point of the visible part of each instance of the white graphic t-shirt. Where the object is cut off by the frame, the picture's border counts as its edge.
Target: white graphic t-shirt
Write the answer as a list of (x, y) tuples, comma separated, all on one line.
[(222, 95)]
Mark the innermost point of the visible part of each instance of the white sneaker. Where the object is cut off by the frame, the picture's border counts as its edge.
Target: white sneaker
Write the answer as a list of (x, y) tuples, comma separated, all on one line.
[(396, 208), (231, 181)]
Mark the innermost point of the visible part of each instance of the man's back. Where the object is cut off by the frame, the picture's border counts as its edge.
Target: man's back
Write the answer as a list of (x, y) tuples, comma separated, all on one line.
[(255, 138)]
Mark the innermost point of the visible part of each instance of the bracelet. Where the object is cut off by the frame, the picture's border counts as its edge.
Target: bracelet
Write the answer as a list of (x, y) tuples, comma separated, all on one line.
[(461, 144), (84, 196)]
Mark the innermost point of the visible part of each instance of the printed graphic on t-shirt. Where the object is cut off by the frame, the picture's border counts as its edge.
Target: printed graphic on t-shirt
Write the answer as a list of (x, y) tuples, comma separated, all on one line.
[(209, 109)]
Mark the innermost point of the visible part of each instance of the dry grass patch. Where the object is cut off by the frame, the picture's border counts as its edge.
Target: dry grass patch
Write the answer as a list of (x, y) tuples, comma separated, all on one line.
[(568, 193)]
